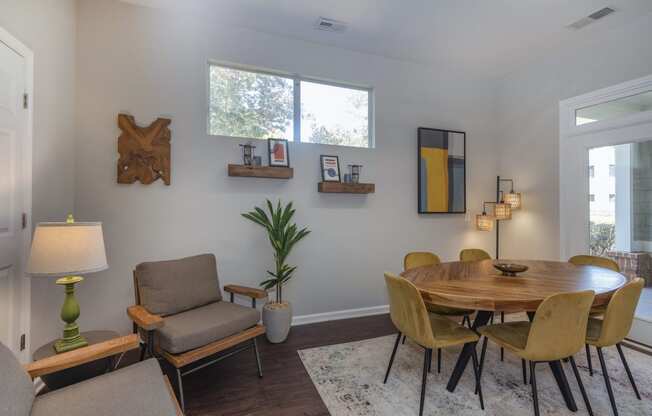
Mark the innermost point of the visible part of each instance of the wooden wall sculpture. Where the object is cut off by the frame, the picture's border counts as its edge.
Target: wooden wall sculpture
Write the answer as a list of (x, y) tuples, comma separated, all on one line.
[(144, 151)]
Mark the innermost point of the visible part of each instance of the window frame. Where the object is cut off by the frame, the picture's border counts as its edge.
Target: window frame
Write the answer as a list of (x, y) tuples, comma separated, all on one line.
[(296, 79)]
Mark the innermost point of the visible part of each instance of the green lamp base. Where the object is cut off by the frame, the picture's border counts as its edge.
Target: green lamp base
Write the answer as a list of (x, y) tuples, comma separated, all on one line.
[(65, 345), (69, 313)]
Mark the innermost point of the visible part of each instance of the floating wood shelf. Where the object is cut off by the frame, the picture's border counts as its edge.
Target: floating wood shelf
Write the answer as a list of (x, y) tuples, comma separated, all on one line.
[(346, 188), (261, 172)]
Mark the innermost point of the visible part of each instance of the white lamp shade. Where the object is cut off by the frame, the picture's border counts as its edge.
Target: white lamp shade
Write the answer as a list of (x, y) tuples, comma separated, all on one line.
[(67, 249)]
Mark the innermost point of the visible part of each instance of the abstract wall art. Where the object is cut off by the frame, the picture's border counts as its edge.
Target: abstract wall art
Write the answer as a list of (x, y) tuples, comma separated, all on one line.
[(441, 171)]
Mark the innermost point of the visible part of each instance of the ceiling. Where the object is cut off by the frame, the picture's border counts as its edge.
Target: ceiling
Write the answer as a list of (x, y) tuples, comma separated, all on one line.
[(486, 36)]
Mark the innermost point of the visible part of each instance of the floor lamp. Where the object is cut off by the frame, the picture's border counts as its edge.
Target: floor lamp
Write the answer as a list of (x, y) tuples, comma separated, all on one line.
[(505, 203)]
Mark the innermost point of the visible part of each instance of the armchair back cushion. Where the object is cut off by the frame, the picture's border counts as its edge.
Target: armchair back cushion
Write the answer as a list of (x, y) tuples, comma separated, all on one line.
[(173, 286), (16, 388)]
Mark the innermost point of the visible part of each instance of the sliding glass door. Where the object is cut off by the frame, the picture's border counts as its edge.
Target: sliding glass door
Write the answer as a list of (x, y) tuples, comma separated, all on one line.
[(620, 198)]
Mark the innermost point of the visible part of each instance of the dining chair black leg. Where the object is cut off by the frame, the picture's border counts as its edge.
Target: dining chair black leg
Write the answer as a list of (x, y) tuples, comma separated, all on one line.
[(607, 381), (588, 359), (523, 364), (581, 385), (403, 340), (629, 373), (427, 356), (535, 393), (476, 371), (482, 355), (438, 360), (391, 360), (467, 320), (502, 350)]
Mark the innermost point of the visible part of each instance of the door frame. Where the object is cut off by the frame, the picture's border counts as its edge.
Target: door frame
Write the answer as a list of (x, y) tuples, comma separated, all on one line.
[(25, 312), (574, 143)]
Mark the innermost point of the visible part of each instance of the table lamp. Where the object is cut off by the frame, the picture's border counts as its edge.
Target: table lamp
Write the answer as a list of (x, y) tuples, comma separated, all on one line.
[(67, 250)]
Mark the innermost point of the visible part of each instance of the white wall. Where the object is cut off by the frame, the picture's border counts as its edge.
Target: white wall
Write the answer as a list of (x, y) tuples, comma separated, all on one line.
[(528, 102), (150, 63), (48, 27)]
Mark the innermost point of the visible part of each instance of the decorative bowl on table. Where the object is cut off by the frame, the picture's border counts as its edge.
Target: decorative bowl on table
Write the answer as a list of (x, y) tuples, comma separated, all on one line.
[(510, 269)]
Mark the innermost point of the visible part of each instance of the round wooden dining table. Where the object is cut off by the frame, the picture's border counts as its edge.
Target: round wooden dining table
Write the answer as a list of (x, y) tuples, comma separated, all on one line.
[(479, 286)]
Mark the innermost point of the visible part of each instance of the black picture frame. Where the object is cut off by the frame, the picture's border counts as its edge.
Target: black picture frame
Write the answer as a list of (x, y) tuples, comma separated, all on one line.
[(421, 132), (270, 143), (321, 167)]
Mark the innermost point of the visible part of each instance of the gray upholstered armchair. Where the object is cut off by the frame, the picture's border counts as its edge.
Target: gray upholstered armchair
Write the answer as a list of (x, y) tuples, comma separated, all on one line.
[(180, 313), (137, 390)]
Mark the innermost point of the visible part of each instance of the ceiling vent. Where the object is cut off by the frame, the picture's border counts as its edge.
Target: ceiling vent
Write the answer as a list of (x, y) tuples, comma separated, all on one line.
[(593, 17), (330, 25)]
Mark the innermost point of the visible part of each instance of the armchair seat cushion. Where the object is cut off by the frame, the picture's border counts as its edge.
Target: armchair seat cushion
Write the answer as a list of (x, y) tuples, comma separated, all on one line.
[(137, 390), (197, 327)]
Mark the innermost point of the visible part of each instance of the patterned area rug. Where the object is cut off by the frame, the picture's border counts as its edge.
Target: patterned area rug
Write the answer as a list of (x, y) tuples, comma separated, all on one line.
[(349, 379)]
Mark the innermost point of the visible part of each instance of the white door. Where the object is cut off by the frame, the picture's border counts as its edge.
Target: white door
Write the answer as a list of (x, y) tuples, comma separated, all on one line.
[(13, 129)]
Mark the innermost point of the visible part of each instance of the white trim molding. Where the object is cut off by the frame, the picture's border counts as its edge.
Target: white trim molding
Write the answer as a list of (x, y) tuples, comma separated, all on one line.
[(337, 315), (574, 144)]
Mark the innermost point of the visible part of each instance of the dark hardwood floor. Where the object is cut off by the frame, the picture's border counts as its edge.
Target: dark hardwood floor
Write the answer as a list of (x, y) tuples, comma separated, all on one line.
[(232, 387)]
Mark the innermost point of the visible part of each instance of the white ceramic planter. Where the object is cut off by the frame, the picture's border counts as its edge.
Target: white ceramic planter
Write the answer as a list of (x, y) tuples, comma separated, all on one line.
[(277, 318)]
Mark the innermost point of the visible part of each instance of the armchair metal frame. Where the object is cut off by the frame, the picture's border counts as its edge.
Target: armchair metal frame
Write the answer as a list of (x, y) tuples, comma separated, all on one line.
[(190, 361)]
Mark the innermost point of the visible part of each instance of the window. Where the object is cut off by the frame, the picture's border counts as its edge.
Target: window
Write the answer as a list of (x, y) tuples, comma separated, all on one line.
[(592, 197), (252, 104), (620, 107), (592, 171), (612, 171)]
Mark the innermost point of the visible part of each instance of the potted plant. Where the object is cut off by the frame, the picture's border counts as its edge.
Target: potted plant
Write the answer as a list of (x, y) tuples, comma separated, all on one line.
[(283, 235)]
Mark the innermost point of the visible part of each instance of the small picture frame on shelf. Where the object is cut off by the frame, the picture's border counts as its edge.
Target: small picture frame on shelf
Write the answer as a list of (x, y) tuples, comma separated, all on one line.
[(279, 155), (330, 168)]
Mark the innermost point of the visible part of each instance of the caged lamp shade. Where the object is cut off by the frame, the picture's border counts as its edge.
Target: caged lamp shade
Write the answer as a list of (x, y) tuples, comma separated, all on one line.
[(513, 199), (502, 211), (67, 249), (484, 222)]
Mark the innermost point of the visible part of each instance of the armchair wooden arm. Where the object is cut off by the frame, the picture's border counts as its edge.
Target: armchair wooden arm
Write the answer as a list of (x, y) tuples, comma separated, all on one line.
[(82, 355), (251, 292), (246, 291), (143, 318)]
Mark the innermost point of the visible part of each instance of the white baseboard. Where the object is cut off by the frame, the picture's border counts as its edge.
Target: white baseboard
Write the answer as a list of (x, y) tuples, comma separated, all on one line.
[(337, 315)]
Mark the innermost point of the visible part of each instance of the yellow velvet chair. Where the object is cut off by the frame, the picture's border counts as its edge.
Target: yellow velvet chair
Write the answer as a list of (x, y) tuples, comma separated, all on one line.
[(410, 316), (424, 258), (556, 333), (604, 262), (613, 329), (586, 260), (474, 254)]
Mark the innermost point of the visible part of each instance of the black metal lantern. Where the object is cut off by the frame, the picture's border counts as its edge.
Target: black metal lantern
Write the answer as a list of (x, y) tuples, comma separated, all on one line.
[(354, 171), (247, 154)]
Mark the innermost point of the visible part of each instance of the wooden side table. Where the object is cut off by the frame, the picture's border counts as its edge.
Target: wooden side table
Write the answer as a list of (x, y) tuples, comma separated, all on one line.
[(82, 372)]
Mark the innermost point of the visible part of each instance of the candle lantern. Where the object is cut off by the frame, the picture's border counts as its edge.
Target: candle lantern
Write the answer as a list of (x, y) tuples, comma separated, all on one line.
[(247, 154), (354, 172)]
